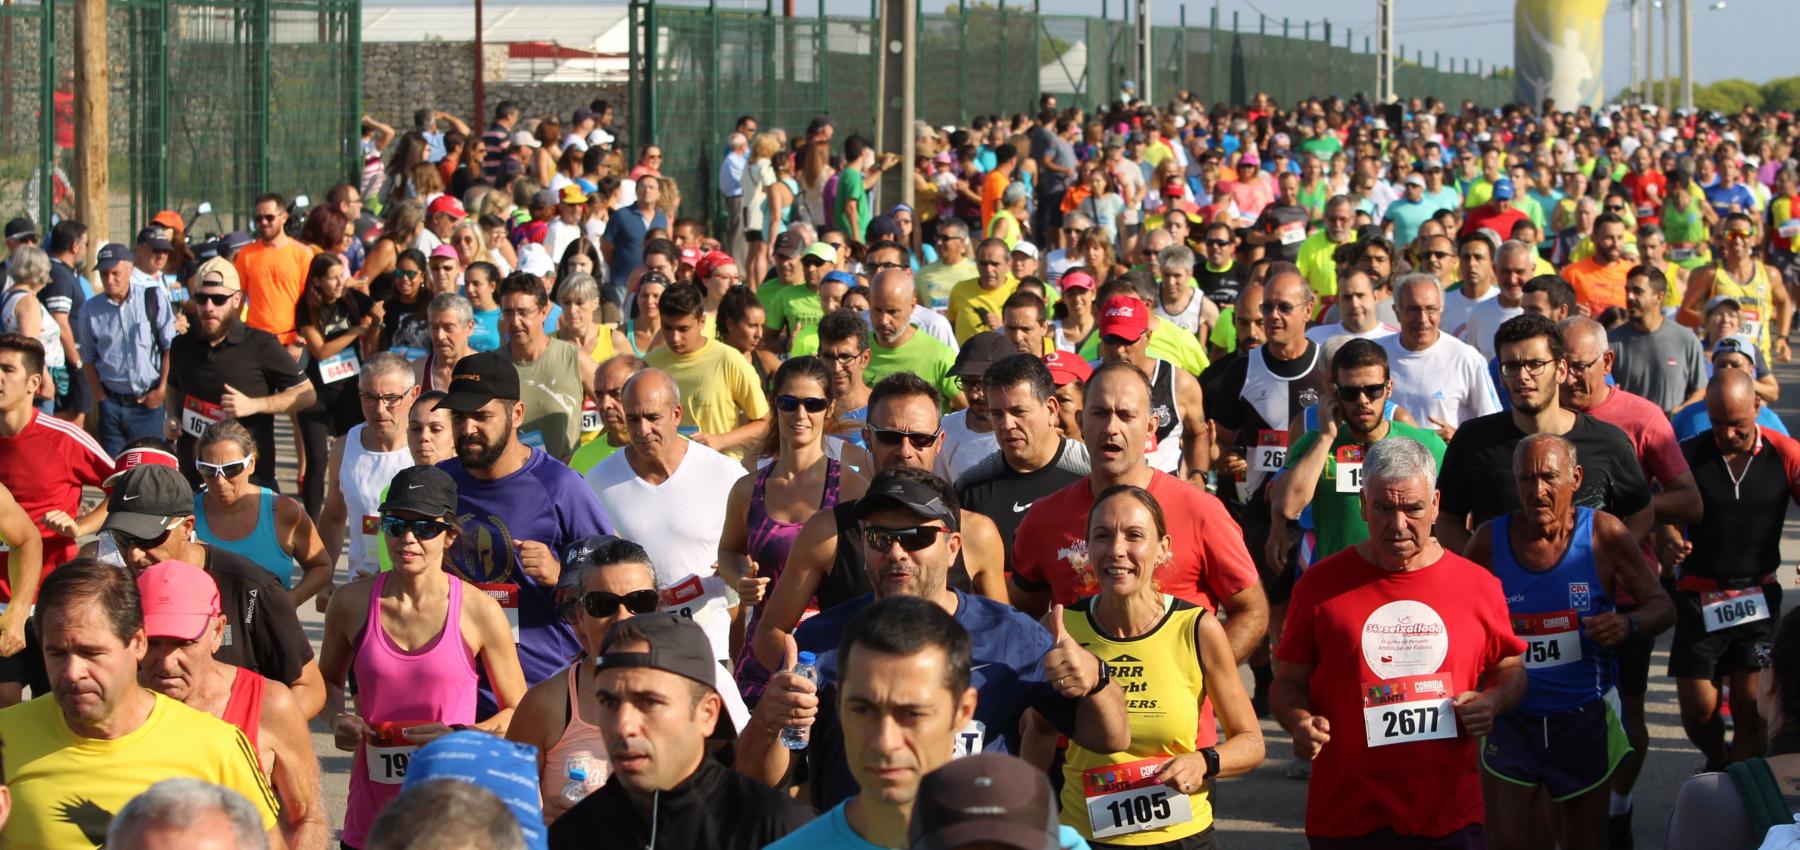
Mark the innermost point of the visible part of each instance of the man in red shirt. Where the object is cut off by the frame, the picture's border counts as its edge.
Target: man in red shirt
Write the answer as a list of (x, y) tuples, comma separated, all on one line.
[(273, 270), (1498, 214), (1395, 643)]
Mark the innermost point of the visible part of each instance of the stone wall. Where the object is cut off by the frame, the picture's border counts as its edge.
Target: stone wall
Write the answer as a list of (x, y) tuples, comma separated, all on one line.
[(401, 77)]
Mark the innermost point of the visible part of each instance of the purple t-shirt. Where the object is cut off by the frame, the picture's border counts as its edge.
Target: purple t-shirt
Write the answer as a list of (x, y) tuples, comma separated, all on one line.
[(545, 502)]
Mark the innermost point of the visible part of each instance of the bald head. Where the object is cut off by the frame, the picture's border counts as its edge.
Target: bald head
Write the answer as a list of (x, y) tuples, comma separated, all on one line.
[(1732, 407), (1731, 386), (652, 405), (651, 389), (892, 286)]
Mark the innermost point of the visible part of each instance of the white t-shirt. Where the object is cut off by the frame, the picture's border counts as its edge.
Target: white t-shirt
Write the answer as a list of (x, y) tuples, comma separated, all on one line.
[(1447, 381), (559, 236), (1458, 305), (1484, 320), (1321, 334), (427, 241), (962, 447), (678, 522)]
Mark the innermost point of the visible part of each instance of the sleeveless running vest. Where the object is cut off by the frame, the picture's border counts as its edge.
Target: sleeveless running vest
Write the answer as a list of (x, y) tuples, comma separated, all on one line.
[(579, 737), (1275, 399), (243, 708), (1565, 669), (1754, 301), (363, 477), (1164, 451), (259, 545), (770, 541)]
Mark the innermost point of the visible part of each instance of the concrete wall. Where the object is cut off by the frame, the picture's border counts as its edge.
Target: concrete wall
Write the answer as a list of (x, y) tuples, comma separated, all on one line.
[(400, 77)]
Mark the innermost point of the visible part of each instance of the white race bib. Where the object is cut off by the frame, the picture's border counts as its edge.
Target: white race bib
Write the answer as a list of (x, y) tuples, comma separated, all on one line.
[(387, 765), (371, 547), (344, 364), (1551, 640), (1127, 798), (1269, 453), (508, 597), (1292, 233), (706, 600), (1349, 469), (1681, 255), (1722, 609), (971, 739), (1414, 708), (197, 416), (590, 417)]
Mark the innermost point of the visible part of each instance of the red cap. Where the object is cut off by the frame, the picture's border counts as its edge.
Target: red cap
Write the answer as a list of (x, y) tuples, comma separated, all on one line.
[(447, 204), (179, 600), (133, 458), (1124, 316), (712, 262), (1077, 279), (1066, 367), (691, 256)]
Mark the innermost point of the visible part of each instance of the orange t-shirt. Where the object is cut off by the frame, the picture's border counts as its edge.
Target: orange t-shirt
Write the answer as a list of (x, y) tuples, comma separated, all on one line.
[(1598, 286), (273, 277), (992, 187)]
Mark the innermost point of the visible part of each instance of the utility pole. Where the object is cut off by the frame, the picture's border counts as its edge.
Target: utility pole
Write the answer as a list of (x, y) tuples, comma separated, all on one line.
[(1146, 50), (1648, 94), (1687, 53), (480, 71), (92, 96), (896, 87), (1668, 86), (1631, 85), (1384, 51)]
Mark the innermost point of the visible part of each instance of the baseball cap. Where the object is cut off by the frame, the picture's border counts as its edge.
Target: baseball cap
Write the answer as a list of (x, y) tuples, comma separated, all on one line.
[(1503, 189), (981, 351), (506, 768), (572, 194), (790, 244), (1250, 159), (582, 113), (677, 645), (988, 799), (448, 205), (1026, 248), (153, 239), (21, 228), (544, 198), (111, 254), (445, 251), (144, 499), (889, 491), (1066, 367), (844, 278), (170, 219), (422, 489), (1741, 344), (235, 239), (1076, 279), (1415, 179), (478, 379), (142, 456), (885, 227), (690, 257), (534, 259), (1124, 316), (218, 272), (822, 251), (524, 138), (1718, 301), (179, 600), (818, 124)]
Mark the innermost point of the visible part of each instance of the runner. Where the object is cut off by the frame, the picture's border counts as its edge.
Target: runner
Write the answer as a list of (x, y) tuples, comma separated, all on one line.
[(609, 391), (1356, 301), (1767, 309), (1180, 440), (1439, 379), (365, 460), (271, 530)]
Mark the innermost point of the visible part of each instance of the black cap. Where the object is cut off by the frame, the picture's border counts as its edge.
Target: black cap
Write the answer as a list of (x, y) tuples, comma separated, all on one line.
[(153, 239), (479, 379), (819, 123), (789, 244), (21, 228), (986, 798), (145, 498), (424, 490), (889, 491), (111, 254), (677, 645), (235, 240), (981, 351)]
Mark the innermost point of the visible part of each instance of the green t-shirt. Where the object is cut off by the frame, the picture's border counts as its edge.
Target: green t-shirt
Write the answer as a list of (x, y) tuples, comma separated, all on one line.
[(923, 355), (850, 188), (793, 309), (1224, 333), (1322, 146), (805, 341), (587, 457), (1337, 511)]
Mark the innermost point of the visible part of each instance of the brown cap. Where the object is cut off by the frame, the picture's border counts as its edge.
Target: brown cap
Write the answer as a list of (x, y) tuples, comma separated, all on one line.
[(216, 272), (986, 798)]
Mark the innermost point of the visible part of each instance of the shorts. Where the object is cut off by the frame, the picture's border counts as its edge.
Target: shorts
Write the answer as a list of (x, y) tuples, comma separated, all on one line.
[(1696, 653), (753, 236), (27, 666), (1202, 840), (77, 399), (1569, 754), (1470, 837)]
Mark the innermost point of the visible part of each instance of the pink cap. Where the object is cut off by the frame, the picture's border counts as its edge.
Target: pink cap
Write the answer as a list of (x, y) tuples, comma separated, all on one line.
[(445, 251), (1066, 367), (1077, 279), (1250, 159), (132, 458), (447, 204), (691, 256), (1124, 316), (179, 600)]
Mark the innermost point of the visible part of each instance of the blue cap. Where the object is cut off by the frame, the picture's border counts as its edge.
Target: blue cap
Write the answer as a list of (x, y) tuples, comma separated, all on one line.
[(111, 254), (506, 768), (1503, 189), (844, 278)]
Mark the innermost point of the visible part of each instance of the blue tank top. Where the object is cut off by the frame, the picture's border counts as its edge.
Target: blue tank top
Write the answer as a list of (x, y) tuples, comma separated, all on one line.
[(1565, 669), (259, 545)]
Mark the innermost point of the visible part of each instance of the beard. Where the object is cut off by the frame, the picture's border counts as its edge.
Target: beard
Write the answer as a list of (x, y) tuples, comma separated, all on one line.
[(485, 454)]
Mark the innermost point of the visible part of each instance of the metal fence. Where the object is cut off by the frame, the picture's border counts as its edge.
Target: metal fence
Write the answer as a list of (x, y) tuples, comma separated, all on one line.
[(695, 69), (212, 101)]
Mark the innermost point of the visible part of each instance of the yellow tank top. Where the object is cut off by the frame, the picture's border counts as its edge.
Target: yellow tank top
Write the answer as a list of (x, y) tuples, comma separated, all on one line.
[(1160, 674), (590, 413), (1753, 298)]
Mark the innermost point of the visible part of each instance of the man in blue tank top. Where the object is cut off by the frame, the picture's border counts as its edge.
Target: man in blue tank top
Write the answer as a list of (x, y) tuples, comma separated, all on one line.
[(1561, 567)]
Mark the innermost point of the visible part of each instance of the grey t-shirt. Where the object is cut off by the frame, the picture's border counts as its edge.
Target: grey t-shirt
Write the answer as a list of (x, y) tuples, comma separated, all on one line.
[(1384, 313), (1665, 365)]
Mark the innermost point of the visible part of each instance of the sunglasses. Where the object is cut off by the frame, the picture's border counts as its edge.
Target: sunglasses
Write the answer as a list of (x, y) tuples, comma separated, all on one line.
[(1436, 255), (423, 529), (1117, 341), (127, 542), (265, 218), (600, 603), (888, 437), (1219, 243), (223, 470), (407, 274), (1369, 391), (791, 403), (911, 539), (1270, 308), (214, 298)]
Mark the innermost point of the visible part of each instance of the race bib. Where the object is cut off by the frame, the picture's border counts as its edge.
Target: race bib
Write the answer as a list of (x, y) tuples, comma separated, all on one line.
[(706, 600), (1751, 325), (970, 740), (1291, 233), (1789, 229), (1269, 453), (1413, 708), (344, 364), (508, 597), (387, 756), (1551, 640), (1127, 798), (1349, 469), (1722, 609), (590, 417), (1681, 255), (197, 416)]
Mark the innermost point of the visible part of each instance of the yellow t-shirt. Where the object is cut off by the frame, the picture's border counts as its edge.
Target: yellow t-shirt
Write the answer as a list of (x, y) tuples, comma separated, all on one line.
[(717, 384), (1316, 265), (968, 301), (1160, 673), (66, 789)]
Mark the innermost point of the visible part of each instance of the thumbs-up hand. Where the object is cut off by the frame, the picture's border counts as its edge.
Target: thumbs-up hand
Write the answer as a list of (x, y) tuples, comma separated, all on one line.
[(751, 589), (237, 405), (1071, 670), (789, 700)]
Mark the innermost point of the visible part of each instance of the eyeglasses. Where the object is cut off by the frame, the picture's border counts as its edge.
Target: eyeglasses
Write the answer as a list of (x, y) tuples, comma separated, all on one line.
[(127, 542), (791, 403), (839, 358), (223, 470), (1534, 368), (267, 217), (1614, 208), (391, 400), (1435, 255), (407, 274), (423, 529), (600, 603), (1368, 391), (911, 539), (216, 299), (877, 268), (890, 437), (1270, 308)]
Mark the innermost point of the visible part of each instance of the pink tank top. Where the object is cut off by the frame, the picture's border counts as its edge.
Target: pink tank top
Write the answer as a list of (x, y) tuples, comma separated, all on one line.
[(579, 736), (433, 683)]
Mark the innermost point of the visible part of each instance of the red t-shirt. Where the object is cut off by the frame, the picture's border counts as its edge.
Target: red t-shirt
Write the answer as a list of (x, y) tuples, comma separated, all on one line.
[(1658, 453), (1501, 222), (1209, 561), (45, 467), (1640, 184), (1359, 626)]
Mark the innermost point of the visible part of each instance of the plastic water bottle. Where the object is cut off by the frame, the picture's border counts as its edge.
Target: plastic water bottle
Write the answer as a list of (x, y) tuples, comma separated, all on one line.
[(579, 767), (794, 737)]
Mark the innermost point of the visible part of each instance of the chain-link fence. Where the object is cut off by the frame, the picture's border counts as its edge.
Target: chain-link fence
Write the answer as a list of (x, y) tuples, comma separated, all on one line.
[(212, 101), (694, 70)]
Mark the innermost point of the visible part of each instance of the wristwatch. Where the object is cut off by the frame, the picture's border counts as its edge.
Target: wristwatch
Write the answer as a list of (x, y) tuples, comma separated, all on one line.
[(1211, 754), (1631, 624), (1105, 677)]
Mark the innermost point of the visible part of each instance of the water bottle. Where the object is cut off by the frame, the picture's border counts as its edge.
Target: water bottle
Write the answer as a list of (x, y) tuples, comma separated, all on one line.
[(794, 737), (579, 767)]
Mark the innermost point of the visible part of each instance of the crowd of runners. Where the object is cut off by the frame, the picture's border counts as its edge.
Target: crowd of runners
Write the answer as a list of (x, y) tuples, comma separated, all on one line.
[(782, 514)]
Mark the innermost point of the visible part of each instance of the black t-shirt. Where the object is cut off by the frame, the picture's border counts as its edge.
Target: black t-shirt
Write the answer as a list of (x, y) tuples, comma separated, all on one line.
[(1259, 396), (63, 294), (254, 363), (334, 320), (995, 490), (404, 328), (1477, 478), (1221, 286), (262, 632), (1738, 541), (849, 576), (1288, 225), (714, 808)]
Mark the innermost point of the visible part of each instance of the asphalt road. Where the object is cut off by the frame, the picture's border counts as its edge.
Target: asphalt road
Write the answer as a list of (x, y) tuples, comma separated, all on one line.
[(1264, 810)]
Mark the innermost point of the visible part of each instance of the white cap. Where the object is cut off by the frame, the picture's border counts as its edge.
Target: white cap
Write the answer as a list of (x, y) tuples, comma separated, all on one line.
[(534, 259), (1026, 248), (525, 139)]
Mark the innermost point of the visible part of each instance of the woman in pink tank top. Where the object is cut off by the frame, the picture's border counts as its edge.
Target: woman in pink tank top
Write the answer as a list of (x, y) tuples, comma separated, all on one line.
[(412, 637)]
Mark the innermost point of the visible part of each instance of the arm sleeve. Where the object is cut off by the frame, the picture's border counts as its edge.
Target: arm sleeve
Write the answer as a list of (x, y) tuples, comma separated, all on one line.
[(747, 390), (1662, 455), (1482, 400), (1696, 366), (1028, 567), (165, 321), (84, 342), (582, 513), (1300, 447)]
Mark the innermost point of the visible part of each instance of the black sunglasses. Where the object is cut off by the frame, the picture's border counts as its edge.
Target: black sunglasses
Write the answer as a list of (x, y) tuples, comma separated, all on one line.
[(600, 603), (911, 539), (423, 529), (126, 542), (888, 437), (791, 403), (1369, 391), (214, 298)]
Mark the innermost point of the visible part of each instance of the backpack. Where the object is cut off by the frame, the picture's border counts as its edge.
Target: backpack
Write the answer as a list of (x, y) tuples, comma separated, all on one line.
[(1768, 814), (151, 311)]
